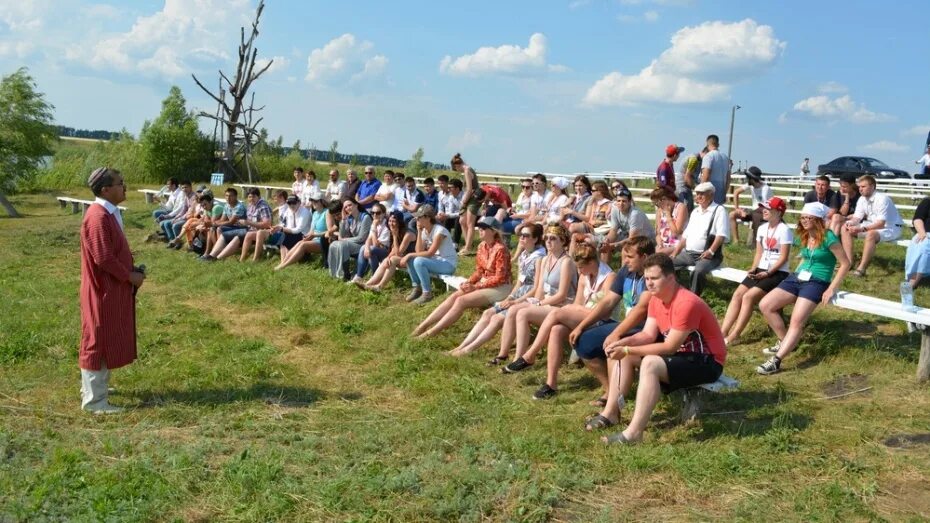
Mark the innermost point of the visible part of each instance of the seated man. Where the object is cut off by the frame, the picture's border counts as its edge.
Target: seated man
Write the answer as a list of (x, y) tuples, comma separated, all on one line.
[(876, 219), (822, 193), (691, 351), (701, 244), (450, 209), (237, 221), (412, 199), (173, 193), (599, 329), (626, 221), (177, 214), (849, 198), (760, 193), (430, 195)]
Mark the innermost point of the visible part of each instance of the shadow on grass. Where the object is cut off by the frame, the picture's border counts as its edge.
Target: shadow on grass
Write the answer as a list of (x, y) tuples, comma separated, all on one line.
[(283, 396), (829, 337)]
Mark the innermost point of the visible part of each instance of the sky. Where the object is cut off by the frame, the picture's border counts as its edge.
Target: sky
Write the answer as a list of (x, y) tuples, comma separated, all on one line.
[(556, 86)]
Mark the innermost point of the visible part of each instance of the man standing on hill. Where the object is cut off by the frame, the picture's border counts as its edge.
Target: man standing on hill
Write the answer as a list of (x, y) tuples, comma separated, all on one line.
[(108, 292), (665, 173), (715, 168)]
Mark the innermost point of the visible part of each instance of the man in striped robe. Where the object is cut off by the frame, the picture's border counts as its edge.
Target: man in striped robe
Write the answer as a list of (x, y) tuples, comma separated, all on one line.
[(108, 287)]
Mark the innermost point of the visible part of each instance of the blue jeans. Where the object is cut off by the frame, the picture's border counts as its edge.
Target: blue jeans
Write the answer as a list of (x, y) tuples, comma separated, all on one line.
[(158, 213), (510, 224), (172, 230), (376, 255), (422, 269)]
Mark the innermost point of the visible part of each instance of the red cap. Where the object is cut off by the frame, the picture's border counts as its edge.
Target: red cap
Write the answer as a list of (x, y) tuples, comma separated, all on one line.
[(673, 149), (775, 203)]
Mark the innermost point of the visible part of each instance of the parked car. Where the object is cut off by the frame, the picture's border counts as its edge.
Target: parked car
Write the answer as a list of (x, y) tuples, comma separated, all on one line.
[(860, 165)]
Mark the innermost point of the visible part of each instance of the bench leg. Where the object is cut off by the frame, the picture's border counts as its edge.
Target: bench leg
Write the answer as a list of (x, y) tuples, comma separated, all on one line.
[(923, 363), (62, 203), (75, 207), (149, 198), (692, 402)]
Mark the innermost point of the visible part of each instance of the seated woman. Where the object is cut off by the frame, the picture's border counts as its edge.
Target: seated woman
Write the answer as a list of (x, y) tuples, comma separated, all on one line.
[(809, 286), (434, 254), (577, 208), (671, 219), (917, 260), (769, 268), (403, 242), (294, 224), (376, 245), (594, 220), (556, 282), (492, 319), (353, 231), (595, 279), (310, 242), (491, 282)]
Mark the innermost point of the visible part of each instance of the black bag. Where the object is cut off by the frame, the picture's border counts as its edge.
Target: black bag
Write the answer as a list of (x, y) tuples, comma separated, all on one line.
[(710, 239), (197, 245)]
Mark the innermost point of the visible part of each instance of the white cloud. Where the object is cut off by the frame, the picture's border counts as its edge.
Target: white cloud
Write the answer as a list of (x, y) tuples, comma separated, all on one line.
[(17, 50), (648, 16), (464, 141), (506, 59), (917, 130), (26, 16), (279, 63), (843, 108), (344, 56), (884, 146), (700, 66), (183, 37), (832, 88)]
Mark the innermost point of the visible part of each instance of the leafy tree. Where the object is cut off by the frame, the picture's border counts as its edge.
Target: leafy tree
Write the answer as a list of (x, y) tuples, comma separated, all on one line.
[(173, 145), (26, 132), (354, 162), (333, 152), (416, 167), (296, 148)]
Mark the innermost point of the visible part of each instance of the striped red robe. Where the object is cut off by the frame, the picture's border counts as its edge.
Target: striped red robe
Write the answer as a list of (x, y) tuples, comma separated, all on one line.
[(108, 304)]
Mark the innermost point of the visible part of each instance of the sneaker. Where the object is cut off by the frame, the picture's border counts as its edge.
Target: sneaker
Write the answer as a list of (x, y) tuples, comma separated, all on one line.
[(425, 297), (516, 366), (771, 366), (105, 408), (414, 294), (545, 392), (207, 258), (773, 350)]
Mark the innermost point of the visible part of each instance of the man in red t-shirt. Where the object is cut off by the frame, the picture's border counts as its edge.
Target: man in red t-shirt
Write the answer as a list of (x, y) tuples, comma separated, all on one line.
[(690, 352), (496, 200), (665, 173)]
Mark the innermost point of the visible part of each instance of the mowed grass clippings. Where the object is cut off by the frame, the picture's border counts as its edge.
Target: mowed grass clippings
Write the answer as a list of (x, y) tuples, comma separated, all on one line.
[(290, 396)]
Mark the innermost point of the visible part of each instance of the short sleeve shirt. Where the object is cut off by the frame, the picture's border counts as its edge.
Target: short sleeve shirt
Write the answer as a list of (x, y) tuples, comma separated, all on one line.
[(771, 242), (637, 219), (760, 195), (665, 175), (237, 210), (629, 286), (687, 312), (820, 261), (446, 251)]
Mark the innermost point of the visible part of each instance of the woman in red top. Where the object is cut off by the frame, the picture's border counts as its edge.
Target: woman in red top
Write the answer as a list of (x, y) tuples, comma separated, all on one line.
[(491, 282)]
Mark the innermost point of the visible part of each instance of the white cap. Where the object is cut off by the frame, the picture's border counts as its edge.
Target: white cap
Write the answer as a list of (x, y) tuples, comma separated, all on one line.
[(561, 182), (705, 187), (816, 209)]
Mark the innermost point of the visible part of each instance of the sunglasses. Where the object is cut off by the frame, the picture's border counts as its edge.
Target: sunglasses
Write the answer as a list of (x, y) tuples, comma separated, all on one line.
[(377, 213), (527, 186), (525, 235), (553, 238)]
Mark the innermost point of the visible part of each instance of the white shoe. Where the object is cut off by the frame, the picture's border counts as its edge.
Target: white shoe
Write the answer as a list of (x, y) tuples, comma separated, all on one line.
[(105, 408), (773, 350)]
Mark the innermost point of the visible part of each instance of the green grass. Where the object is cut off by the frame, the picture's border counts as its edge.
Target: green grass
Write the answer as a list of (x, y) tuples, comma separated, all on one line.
[(264, 396)]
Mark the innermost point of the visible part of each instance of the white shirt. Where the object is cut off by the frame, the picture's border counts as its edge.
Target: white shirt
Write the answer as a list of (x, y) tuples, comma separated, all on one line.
[(382, 234), (334, 190), (878, 207), (387, 191), (760, 195), (112, 209), (771, 243), (924, 162), (177, 198), (523, 204), (695, 234), (296, 223), (450, 205), (399, 190), (446, 251)]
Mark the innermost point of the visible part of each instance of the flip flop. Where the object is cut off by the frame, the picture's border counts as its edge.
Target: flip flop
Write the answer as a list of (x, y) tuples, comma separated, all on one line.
[(857, 273), (497, 360), (618, 439), (598, 422), (599, 402)]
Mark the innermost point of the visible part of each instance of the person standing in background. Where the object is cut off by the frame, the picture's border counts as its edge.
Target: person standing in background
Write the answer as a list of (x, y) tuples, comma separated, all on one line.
[(805, 168), (715, 168)]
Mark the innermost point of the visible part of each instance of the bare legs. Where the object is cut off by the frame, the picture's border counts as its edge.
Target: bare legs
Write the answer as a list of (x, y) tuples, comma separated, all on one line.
[(383, 275), (790, 335), (468, 221), (652, 372), (868, 247), (568, 316), (300, 250), (485, 329), (739, 312), (451, 310)]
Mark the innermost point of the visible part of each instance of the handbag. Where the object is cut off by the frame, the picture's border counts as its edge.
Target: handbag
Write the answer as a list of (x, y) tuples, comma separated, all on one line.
[(709, 240)]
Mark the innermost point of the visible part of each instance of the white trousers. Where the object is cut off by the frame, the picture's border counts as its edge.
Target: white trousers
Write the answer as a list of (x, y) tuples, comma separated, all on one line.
[(94, 386)]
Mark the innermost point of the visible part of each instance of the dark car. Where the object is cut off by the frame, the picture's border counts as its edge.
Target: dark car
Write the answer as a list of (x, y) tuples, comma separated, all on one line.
[(860, 165)]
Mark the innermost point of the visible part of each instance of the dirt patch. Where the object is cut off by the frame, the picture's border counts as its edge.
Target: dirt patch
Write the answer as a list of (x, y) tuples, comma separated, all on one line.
[(902, 498), (907, 441), (845, 384)]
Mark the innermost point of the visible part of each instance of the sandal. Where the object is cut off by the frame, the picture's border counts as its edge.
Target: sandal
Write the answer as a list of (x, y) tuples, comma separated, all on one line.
[(618, 439), (497, 360), (598, 422), (599, 402), (857, 273)]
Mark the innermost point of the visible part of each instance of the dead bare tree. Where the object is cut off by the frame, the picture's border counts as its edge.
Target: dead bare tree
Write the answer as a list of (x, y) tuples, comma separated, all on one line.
[(233, 117)]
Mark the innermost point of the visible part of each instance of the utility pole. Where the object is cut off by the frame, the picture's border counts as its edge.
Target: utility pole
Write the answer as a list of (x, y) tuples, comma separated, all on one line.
[(732, 119)]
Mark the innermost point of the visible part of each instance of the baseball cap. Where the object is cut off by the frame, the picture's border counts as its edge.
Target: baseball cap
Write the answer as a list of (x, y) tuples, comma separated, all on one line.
[(561, 182), (488, 222), (291, 200), (754, 173), (816, 209), (315, 195), (673, 149), (776, 204), (426, 210), (202, 188)]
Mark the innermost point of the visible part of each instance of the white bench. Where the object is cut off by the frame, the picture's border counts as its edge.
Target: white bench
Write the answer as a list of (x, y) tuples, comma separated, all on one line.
[(268, 188), (149, 195), (78, 204), (869, 305)]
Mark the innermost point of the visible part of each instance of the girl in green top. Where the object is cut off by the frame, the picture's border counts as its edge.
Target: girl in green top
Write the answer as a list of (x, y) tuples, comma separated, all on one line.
[(807, 287)]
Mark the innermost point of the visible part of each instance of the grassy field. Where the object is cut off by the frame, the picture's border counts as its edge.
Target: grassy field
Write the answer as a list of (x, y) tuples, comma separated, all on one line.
[(261, 396)]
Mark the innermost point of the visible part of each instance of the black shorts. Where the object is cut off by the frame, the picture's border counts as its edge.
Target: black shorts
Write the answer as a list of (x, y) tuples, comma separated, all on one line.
[(690, 369), (766, 284), (291, 239)]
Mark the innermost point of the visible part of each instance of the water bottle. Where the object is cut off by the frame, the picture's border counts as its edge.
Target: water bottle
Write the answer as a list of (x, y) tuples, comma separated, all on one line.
[(907, 297)]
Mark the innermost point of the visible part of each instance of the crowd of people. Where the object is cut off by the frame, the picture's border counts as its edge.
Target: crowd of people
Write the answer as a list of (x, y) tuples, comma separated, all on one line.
[(553, 286)]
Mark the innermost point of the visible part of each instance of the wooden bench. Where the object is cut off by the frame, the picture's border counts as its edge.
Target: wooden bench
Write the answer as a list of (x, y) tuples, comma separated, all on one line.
[(77, 204), (919, 319), (693, 397), (149, 195), (268, 188)]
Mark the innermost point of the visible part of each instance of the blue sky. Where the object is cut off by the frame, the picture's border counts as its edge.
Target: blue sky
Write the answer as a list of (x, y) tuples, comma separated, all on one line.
[(560, 86)]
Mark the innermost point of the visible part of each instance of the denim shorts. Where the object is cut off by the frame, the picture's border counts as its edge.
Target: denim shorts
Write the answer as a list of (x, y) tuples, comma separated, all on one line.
[(231, 233), (812, 289)]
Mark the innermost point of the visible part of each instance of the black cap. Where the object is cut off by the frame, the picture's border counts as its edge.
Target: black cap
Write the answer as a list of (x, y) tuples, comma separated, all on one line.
[(754, 173)]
